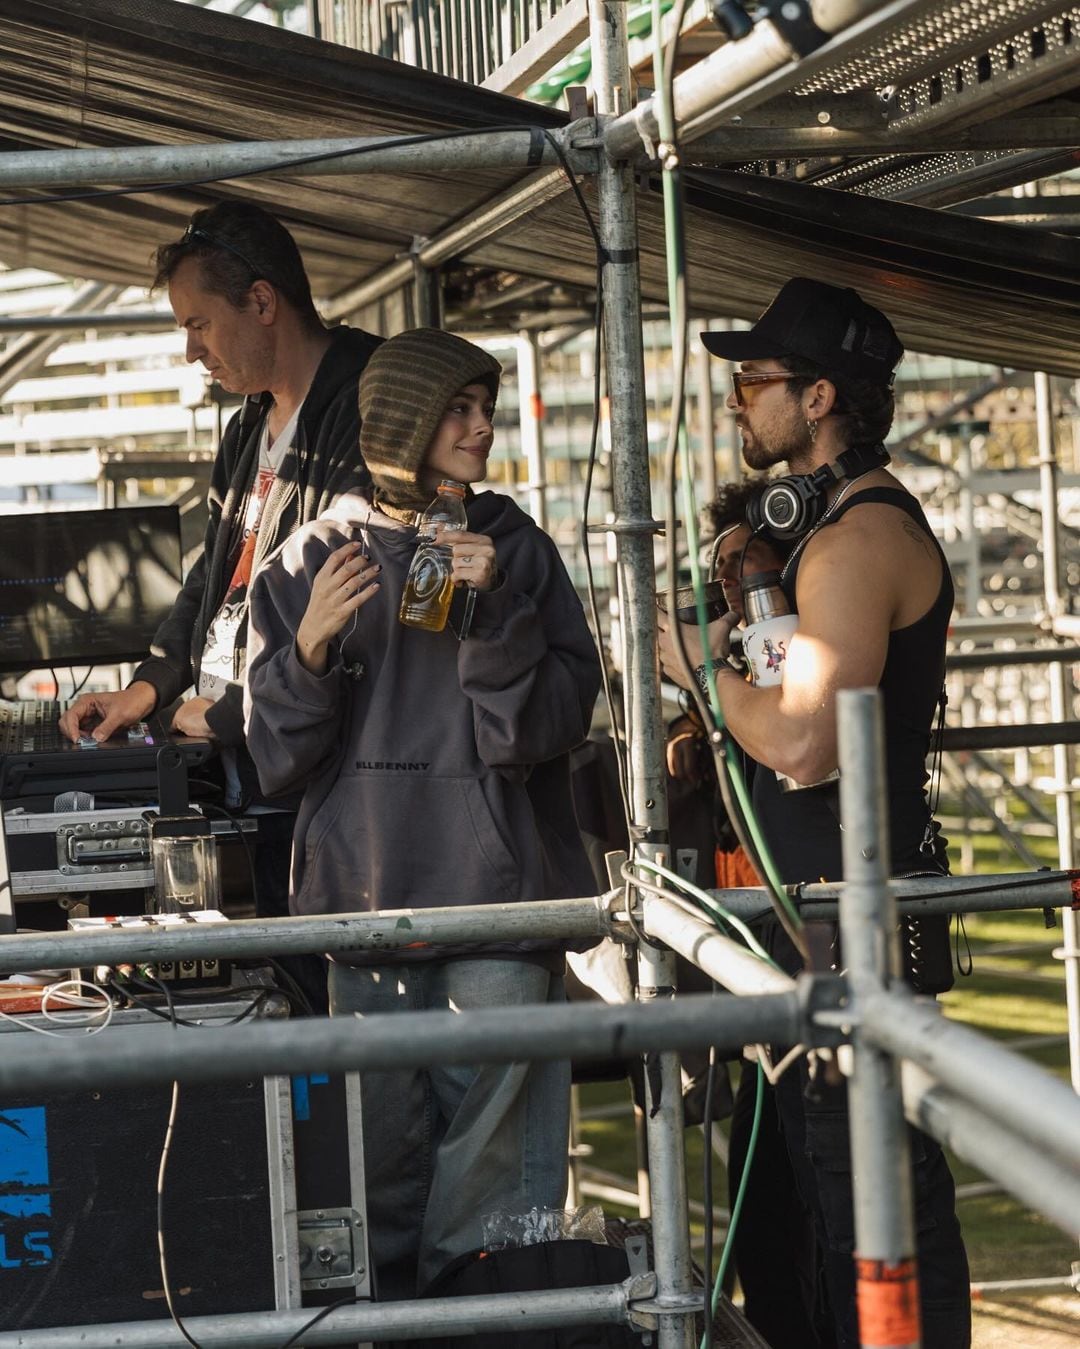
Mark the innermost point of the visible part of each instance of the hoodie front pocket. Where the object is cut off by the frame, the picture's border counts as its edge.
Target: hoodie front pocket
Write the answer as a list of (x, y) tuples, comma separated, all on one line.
[(406, 840)]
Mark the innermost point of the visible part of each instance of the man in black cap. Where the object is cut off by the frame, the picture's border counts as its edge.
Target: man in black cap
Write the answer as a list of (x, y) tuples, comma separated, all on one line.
[(873, 595)]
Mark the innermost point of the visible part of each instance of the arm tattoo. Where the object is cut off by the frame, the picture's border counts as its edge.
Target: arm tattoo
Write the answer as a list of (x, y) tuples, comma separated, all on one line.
[(912, 530)]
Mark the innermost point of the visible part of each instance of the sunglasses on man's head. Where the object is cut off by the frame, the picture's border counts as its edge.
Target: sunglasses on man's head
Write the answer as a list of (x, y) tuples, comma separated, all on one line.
[(194, 234), (740, 381)]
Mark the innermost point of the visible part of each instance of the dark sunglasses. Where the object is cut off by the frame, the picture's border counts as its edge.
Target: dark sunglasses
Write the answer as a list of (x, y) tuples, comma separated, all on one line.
[(739, 381), (193, 234)]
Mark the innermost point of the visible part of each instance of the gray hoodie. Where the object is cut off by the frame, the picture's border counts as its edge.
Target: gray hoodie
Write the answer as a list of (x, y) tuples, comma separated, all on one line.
[(434, 771)]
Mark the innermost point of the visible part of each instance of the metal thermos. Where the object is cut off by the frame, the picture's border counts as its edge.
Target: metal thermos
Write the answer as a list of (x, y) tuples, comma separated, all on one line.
[(770, 626)]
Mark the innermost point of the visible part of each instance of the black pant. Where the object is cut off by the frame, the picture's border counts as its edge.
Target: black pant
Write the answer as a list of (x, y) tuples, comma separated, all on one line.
[(273, 857), (776, 1247), (817, 1142)]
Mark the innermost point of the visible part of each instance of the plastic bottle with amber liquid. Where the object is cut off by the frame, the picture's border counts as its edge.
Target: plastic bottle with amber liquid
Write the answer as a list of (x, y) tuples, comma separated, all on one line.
[(429, 586), (770, 626)]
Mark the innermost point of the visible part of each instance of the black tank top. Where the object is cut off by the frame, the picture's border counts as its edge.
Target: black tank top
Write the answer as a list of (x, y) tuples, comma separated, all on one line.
[(803, 827)]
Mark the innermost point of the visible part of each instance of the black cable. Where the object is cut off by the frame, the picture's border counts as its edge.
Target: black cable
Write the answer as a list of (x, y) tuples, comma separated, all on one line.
[(238, 829), (323, 1311), (1035, 878), (172, 997), (76, 689), (136, 999), (753, 533), (594, 440), (575, 187), (590, 582), (152, 980), (198, 996), (635, 926), (323, 157), (294, 993)]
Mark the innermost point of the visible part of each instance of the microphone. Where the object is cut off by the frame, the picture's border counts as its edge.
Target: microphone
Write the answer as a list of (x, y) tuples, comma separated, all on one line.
[(69, 801)]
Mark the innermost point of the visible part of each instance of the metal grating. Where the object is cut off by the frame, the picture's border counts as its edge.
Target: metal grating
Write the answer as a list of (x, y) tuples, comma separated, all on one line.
[(944, 72), (912, 49), (946, 179), (886, 176), (1011, 71)]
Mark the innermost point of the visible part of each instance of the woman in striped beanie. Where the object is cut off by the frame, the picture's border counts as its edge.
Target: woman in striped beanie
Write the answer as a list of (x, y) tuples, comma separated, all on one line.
[(435, 772)]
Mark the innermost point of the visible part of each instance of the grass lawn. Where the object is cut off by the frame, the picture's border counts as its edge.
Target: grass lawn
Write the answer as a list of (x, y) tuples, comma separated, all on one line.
[(1009, 996)]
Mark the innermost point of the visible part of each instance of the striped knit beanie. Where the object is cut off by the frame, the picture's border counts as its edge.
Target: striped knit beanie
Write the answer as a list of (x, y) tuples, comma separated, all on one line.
[(404, 390)]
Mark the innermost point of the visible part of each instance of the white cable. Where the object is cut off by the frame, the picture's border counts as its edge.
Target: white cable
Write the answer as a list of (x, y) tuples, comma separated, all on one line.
[(77, 1025), (773, 1074)]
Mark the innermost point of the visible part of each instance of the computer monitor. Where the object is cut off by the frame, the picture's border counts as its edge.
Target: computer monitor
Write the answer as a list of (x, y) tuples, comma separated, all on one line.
[(85, 587)]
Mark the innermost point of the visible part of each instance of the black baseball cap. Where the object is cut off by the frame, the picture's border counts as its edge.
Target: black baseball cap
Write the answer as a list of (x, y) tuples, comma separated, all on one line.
[(832, 327)]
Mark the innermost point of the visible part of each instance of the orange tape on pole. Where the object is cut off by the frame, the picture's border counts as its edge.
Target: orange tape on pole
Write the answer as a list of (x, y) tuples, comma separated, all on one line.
[(887, 1296)]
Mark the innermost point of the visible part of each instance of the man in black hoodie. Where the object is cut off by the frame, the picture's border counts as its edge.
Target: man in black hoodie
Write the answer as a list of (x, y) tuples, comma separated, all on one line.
[(238, 288)]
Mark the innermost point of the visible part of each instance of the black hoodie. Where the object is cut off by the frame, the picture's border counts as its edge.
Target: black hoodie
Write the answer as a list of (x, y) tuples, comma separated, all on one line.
[(324, 464), (435, 771)]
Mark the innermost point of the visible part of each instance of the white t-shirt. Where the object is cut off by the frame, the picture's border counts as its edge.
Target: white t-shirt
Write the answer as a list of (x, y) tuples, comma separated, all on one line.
[(218, 668)]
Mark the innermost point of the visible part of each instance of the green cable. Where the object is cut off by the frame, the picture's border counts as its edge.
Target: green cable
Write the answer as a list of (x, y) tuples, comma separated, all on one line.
[(676, 268), (736, 1208), (705, 898), (676, 273)]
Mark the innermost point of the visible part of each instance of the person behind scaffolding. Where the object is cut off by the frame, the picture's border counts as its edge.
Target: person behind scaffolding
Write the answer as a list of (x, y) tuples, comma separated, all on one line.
[(696, 812), (873, 595), (239, 290), (435, 772)]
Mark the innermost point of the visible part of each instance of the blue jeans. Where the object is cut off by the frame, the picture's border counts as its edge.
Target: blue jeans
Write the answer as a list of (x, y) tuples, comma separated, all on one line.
[(446, 1145)]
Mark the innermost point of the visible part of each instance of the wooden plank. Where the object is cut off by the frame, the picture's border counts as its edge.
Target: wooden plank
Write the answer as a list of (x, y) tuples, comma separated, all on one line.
[(559, 36)]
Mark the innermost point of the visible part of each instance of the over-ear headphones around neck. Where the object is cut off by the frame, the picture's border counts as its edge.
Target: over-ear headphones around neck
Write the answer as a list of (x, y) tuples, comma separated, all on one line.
[(791, 506)]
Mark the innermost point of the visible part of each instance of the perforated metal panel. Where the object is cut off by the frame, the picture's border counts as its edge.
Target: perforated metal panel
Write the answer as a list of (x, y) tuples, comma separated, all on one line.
[(961, 64), (911, 48)]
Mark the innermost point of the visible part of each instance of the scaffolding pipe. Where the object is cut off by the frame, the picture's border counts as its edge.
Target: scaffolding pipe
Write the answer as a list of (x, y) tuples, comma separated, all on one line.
[(986, 660), (745, 73), (1012, 737), (139, 320), (885, 1252), (1060, 702), (384, 933), (389, 1042), (1024, 1170), (636, 574), (531, 418), (29, 353), (510, 1313), (562, 918), (706, 421), (949, 415), (1022, 1096), (220, 161), (494, 215), (922, 895), (722, 959)]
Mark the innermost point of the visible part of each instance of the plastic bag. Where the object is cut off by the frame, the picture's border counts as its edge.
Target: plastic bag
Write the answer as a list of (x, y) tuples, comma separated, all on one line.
[(505, 1231)]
